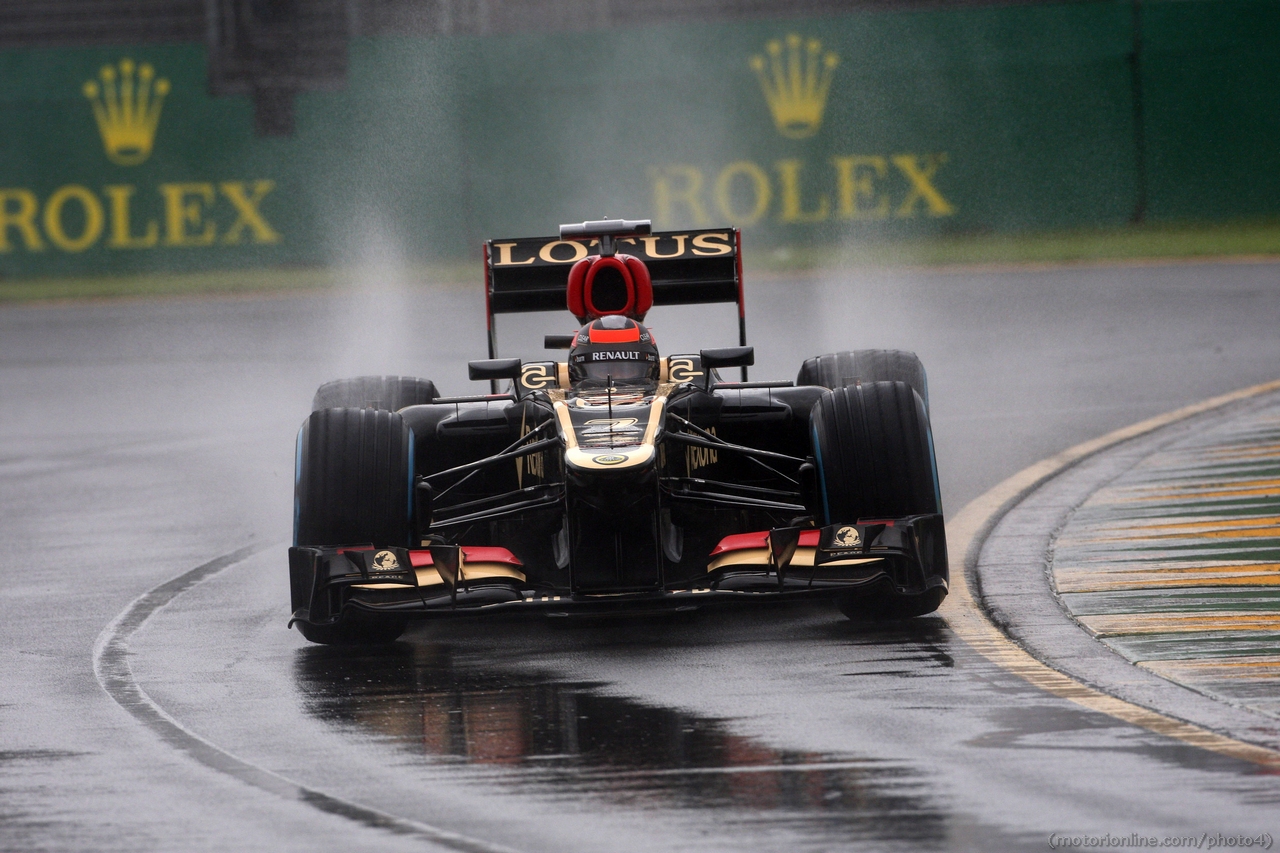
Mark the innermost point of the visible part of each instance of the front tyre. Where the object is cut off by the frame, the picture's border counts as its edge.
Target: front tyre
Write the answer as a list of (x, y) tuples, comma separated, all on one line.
[(874, 453), (354, 479), (873, 450), (354, 486)]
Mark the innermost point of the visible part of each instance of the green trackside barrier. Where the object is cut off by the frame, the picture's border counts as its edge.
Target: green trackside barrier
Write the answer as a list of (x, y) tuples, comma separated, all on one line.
[(1211, 92), (878, 125)]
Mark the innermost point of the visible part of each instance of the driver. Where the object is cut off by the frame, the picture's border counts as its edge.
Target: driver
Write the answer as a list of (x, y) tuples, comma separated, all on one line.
[(614, 348)]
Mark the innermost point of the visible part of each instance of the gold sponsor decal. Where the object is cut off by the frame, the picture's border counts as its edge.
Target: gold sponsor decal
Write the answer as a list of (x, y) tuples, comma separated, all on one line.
[(538, 376), (608, 425), (846, 537), (534, 463), (562, 252), (126, 105), (699, 457), (795, 80), (681, 370), (385, 561), (608, 459), (692, 244)]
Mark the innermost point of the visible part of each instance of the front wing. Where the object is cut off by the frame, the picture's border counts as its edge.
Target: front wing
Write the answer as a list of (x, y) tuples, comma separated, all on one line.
[(905, 555)]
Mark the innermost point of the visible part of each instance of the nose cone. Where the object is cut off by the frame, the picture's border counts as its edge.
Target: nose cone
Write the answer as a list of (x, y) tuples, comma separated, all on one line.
[(617, 459)]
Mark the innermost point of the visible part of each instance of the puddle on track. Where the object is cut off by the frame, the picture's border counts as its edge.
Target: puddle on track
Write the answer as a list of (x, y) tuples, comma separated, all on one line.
[(568, 739)]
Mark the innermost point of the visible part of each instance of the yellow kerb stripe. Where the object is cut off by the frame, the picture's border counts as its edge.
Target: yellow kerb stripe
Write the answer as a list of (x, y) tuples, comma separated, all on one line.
[(1204, 522), (1265, 667), (1123, 624), (1134, 581), (968, 621)]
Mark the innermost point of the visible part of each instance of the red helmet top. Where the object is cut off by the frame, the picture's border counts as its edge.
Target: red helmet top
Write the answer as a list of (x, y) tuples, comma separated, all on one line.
[(613, 348)]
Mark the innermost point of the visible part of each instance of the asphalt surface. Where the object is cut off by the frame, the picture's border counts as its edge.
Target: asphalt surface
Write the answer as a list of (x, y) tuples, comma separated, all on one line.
[(141, 440)]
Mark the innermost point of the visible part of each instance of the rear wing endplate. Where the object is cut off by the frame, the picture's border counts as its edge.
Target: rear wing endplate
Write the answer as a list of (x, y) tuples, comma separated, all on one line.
[(687, 267)]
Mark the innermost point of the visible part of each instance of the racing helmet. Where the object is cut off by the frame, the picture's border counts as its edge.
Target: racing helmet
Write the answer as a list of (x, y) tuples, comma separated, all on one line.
[(613, 347)]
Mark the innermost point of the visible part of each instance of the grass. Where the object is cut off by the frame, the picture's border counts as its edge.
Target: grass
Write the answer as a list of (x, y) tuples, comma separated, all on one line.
[(221, 282), (1128, 243)]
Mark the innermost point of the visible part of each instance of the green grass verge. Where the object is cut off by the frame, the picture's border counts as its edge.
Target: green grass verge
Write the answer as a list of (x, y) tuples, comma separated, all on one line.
[(224, 282), (1157, 242), (1138, 242)]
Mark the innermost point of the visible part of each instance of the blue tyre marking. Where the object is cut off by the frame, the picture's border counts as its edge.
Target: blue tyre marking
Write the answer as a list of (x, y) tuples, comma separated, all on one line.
[(933, 463), (409, 497), (822, 475), (297, 481)]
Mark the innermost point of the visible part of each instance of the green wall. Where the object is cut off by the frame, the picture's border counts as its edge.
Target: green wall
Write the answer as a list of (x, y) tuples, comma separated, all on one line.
[(1211, 90), (986, 119)]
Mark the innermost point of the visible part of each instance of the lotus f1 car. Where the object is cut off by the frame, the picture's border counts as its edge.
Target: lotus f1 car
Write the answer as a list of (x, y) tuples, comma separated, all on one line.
[(616, 480)]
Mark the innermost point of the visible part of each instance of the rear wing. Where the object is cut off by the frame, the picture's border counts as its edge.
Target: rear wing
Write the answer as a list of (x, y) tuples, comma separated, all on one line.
[(687, 267)]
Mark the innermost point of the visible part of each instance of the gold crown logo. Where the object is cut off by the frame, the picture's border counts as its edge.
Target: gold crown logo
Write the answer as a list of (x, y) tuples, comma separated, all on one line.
[(795, 85), (127, 107)]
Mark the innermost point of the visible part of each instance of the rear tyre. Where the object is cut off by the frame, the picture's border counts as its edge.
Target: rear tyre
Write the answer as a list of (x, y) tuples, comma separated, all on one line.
[(843, 369), (387, 393), (873, 451)]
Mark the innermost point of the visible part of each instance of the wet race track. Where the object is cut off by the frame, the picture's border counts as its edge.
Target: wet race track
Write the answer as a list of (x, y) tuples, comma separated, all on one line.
[(148, 441)]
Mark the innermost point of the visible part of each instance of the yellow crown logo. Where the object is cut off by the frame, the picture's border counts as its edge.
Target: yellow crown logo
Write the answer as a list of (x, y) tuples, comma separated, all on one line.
[(127, 107), (795, 85)]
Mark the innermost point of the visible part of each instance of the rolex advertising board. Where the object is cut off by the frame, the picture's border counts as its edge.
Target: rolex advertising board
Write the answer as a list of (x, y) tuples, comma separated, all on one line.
[(798, 131), (115, 160), (808, 130)]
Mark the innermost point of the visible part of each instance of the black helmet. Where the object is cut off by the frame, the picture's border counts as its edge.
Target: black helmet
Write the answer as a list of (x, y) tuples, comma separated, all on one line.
[(613, 347)]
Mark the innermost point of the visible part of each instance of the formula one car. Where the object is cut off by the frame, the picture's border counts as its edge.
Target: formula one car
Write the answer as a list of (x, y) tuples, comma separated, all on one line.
[(616, 480)]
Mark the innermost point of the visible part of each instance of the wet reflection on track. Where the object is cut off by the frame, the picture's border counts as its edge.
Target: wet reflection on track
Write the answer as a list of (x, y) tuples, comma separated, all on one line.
[(564, 738)]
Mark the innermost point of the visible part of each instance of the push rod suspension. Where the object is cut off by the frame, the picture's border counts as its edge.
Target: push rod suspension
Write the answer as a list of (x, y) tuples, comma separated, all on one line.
[(715, 442), (495, 459)]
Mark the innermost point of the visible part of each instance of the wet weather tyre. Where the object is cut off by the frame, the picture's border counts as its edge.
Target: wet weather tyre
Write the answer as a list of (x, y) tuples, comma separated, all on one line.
[(873, 449), (843, 369), (388, 393), (874, 453), (354, 479), (354, 631)]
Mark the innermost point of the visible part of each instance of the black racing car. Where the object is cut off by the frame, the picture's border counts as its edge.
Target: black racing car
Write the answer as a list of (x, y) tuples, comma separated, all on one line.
[(616, 480)]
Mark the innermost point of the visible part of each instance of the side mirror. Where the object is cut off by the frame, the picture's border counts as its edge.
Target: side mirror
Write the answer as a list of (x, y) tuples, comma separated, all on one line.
[(558, 341), (728, 357), (494, 368)]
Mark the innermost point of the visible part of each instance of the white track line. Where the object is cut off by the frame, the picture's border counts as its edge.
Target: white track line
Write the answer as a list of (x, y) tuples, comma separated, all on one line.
[(112, 669)]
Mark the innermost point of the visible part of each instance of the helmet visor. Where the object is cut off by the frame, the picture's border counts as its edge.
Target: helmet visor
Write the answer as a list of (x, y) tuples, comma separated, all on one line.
[(629, 367)]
